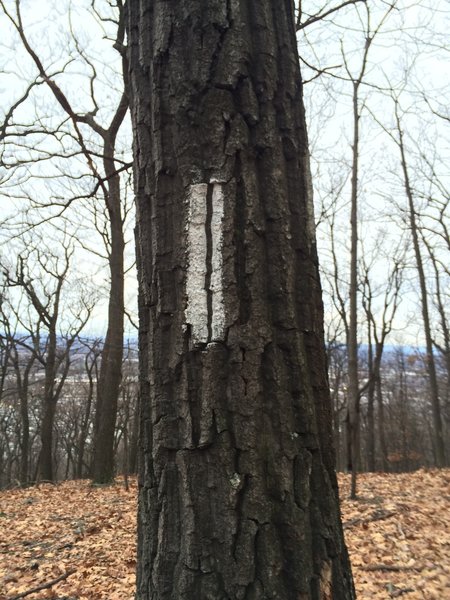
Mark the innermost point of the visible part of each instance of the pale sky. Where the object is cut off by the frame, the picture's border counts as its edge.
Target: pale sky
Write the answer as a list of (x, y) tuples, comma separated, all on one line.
[(395, 58)]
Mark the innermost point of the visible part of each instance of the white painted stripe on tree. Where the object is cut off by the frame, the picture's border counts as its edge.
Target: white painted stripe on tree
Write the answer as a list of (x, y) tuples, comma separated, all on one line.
[(204, 327), (216, 285), (311, 223), (196, 308)]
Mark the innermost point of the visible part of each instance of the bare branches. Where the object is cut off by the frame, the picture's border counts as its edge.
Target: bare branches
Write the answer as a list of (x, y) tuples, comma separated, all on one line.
[(319, 72), (445, 116), (13, 108), (323, 14), (103, 181), (56, 90)]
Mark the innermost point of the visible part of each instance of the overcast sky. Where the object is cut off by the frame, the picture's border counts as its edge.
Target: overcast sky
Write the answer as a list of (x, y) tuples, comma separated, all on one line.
[(408, 51)]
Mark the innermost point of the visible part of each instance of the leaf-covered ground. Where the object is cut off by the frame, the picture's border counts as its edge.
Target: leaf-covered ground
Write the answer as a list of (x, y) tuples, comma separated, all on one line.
[(398, 534)]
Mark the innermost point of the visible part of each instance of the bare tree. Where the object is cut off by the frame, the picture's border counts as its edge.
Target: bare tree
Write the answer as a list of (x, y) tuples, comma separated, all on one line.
[(91, 369), (51, 349), (354, 393), (21, 365), (380, 325), (398, 135), (104, 169)]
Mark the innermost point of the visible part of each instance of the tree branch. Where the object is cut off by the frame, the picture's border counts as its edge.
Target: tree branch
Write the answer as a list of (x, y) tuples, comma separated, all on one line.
[(320, 16), (43, 586)]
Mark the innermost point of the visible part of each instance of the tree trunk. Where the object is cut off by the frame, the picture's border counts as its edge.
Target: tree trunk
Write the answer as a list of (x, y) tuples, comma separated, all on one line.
[(84, 426), (430, 362), (444, 347), (110, 377), (46, 472), (381, 426), (22, 381), (238, 495), (25, 437), (46, 454), (370, 404), (133, 460), (352, 341)]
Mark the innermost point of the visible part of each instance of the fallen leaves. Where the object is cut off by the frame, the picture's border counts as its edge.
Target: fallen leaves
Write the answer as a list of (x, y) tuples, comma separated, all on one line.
[(398, 534), (49, 530)]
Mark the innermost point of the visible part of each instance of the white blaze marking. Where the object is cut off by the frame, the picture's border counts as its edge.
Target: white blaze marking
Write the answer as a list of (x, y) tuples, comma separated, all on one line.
[(218, 311), (311, 222), (197, 309), (197, 240)]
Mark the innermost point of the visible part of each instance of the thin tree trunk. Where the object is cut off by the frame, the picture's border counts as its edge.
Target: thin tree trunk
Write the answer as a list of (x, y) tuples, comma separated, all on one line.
[(48, 411), (430, 362), (353, 380), (25, 437), (110, 377), (381, 425), (133, 462), (22, 380), (371, 405), (352, 341), (84, 428)]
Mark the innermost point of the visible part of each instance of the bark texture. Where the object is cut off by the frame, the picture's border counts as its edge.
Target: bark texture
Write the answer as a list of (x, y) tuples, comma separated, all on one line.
[(238, 496)]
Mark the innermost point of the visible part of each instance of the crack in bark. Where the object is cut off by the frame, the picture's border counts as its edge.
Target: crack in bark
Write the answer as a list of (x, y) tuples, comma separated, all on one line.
[(239, 503), (216, 55), (209, 258), (243, 291), (194, 395)]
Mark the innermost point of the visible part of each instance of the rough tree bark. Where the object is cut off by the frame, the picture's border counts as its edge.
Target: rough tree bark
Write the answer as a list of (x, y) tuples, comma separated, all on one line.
[(238, 494)]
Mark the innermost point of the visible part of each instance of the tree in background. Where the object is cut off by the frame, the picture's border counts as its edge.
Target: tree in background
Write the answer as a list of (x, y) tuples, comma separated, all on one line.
[(49, 346), (415, 35), (379, 326), (398, 135), (95, 143)]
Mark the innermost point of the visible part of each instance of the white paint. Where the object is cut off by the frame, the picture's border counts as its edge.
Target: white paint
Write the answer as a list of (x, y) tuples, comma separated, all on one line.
[(196, 309), (235, 481), (311, 222), (197, 294), (216, 286)]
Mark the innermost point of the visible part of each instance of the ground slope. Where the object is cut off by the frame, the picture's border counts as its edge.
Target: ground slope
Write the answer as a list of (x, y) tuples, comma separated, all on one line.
[(398, 534)]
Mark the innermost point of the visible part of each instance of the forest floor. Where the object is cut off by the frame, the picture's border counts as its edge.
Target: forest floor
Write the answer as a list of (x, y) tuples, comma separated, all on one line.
[(79, 541)]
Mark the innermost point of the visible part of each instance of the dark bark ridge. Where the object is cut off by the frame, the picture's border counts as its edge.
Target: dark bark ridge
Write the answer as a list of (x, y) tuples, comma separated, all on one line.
[(238, 496)]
